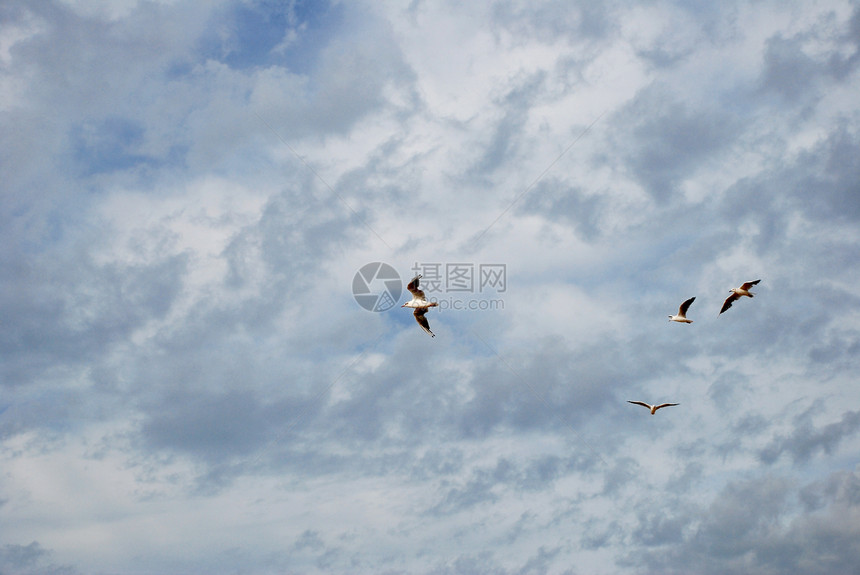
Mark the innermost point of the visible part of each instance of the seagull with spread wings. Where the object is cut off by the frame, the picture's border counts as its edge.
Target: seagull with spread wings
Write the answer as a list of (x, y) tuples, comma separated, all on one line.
[(681, 316), (420, 304), (653, 408), (737, 293)]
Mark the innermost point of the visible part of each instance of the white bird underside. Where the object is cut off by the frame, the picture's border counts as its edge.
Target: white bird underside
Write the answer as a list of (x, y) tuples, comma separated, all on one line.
[(681, 316), (420, 303), (737, 293), (653, 408)]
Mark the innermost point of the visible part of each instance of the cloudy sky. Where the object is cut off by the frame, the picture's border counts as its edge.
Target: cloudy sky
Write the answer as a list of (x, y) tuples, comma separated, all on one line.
[(188, 384)]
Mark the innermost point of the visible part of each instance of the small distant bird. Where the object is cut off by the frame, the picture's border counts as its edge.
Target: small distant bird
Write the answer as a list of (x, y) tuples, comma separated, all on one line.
[(420, 303), (682, 312), (653, 408), (737, 292)]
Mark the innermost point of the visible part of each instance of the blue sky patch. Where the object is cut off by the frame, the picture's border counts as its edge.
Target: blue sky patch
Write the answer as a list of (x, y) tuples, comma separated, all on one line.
[(272, 33), (108, 146)]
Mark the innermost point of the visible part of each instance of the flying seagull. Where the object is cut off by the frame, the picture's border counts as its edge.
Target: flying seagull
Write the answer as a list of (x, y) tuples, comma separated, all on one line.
[(682, 312), (653, 408), (737, 293), (421, 305)]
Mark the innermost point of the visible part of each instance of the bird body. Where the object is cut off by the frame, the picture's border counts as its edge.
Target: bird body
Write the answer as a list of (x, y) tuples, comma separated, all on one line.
[(681, 316), (737, 293), (420, 304), (653, 408)]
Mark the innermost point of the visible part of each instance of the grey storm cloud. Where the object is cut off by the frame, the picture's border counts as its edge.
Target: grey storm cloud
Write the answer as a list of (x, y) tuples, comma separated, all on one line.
[(752, 527), (573, 206), (666, 141), (501, 146), (556, 19), (31, 558), (792, 70), (806, 439), (75, 312)]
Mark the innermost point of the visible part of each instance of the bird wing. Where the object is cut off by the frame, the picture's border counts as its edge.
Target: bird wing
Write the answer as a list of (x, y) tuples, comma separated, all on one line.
[(422, 321), (748, 285), (665, 405), (729, 301), (413, 288), (642, 403), (685, 306)]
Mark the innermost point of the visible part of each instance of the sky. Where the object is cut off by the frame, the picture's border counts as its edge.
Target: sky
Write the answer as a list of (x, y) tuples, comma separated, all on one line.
[(194, 193)]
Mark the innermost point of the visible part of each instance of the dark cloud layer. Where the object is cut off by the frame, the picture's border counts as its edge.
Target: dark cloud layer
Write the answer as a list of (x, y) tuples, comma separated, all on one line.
[(30, 559), (730, 536), (806, 440), (671, 141)]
